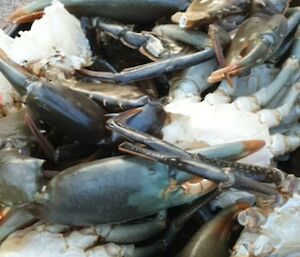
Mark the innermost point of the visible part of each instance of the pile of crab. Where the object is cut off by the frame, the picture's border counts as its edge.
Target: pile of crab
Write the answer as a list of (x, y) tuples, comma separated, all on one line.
[(124, 120)]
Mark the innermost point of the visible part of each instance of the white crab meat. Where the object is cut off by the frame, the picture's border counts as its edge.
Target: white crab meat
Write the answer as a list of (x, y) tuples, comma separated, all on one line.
[(49, 241), (278, 235), (201, 124), (56, 40)]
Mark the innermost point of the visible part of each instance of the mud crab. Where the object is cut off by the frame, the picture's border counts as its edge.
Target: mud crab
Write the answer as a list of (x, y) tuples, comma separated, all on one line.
[(266, 224), (95, 189), (123, 205)]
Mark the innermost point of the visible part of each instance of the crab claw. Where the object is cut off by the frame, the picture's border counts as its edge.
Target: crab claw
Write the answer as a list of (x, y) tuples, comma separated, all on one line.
[(189, 20), (244, 63), (256, 40), (21, 16), (203, 12), (29, 12), (17, 75), (217, 230)]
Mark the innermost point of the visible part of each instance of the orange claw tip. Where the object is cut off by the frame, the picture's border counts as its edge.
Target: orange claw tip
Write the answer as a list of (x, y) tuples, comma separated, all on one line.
[(253, 145), (4, 212), (176, 17), (214, 78), (19, 12), (20, 16)]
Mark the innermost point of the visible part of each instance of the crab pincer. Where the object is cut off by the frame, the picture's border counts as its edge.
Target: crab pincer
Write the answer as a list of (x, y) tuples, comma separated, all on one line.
[(200, 12), (237, 175), (227, 177), (203, 243), (234, 151), (66, 110), (167, 153), (256, 40), (154, 69)]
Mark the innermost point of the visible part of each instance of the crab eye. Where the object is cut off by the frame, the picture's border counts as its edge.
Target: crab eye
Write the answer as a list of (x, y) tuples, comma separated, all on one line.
[(268, 39)]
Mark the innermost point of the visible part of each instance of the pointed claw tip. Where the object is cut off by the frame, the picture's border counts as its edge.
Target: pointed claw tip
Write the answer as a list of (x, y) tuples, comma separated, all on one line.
[(226, 72), (123, 146), (20, 16), (19, 12), (215, 78), (121, 119), (254, 145), (176, 17)]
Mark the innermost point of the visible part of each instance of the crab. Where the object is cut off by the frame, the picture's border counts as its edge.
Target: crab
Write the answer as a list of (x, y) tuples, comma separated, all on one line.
[(218, 121)]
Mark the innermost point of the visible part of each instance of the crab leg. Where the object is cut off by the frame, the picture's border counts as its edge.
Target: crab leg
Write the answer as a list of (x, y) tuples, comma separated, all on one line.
[(294, 19), (214, 32), (265, 94), (278, 98), (154, 69), (293, 116), (231, 151), (147, 43), (212, 171), (273, 117), (175, 226), (192, 82), (284, 143), (235, 150), (129, 233), (260, 173), (120, 127), (243, 85), (197, 39)]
